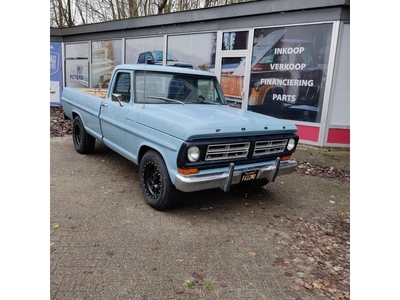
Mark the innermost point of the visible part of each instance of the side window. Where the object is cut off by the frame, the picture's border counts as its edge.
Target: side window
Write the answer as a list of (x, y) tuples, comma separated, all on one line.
[(123, 86), (150, 84), (149, 57), (141, 58)]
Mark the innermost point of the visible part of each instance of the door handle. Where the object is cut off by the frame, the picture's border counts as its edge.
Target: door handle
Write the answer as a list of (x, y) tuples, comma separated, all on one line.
[(104, 104)]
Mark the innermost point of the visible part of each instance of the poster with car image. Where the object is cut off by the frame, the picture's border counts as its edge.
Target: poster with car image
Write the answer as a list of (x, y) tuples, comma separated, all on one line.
[(288, 71), (106, 55)]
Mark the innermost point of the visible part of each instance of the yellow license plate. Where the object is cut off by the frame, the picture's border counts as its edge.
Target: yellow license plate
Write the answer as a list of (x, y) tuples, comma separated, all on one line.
[(247, 176)]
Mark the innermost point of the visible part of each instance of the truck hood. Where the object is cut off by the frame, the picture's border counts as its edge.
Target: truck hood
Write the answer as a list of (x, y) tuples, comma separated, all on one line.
[(195, 121)]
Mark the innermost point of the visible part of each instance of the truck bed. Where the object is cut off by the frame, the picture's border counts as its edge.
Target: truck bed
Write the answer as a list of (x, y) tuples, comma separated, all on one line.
[(101, 93)]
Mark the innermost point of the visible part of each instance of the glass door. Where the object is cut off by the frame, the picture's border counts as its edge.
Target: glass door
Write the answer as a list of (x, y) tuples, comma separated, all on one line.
[(232, 68), (232, 79)]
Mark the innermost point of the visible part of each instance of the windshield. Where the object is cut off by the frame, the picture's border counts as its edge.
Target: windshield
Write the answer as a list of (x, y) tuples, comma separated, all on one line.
[(176, 88), (158, 56)]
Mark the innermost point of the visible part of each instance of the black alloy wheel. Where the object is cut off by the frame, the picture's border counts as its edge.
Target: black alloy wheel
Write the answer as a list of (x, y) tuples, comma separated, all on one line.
[(156, 186)]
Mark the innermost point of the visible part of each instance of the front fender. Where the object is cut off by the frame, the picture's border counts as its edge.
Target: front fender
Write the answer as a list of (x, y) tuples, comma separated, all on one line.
[(142, 139)]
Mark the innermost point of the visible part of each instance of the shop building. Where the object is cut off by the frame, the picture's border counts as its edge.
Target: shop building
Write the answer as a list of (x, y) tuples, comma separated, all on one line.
[(284, 58)]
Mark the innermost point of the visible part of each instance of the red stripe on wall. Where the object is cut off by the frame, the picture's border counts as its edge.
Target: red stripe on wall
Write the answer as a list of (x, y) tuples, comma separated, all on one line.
[(339, 136), (308, 133)]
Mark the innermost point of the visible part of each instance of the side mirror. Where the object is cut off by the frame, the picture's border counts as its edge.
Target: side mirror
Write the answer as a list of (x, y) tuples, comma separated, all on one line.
[(117, 98), (150, 61)]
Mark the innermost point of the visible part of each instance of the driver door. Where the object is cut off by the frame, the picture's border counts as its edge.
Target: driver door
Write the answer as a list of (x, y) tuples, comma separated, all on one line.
[(113, 112)]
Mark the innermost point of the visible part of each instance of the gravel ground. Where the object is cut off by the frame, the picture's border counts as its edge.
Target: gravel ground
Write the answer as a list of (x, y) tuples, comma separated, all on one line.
[(319, 248)]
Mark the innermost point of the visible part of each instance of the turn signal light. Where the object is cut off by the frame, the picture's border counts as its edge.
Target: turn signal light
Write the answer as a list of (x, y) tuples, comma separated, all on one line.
[(285, 157), (188, 171)]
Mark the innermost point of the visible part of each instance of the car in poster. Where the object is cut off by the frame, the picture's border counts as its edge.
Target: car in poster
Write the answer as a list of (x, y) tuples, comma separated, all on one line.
[(175, 124), (156, 58)]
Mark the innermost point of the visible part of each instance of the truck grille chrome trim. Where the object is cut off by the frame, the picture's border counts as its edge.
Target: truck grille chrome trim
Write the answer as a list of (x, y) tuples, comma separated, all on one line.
[(269, 147), (241, 150), (227, 151)]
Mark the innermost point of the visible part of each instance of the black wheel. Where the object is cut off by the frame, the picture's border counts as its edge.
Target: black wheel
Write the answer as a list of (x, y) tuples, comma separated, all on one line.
[(157, 188), (83, 142), (255, 184)]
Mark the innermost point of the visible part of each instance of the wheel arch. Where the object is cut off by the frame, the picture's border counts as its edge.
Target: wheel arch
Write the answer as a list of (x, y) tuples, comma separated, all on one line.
[(167, 154), (75, 114), (96, 133)]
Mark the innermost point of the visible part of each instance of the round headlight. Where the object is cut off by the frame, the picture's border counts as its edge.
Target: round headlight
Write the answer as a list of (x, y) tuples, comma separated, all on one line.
[(291, 144), (193, 153)]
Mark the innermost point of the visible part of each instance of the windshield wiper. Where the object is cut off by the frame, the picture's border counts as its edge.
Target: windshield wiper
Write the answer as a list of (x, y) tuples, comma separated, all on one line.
[(207, 102), (166, 99)]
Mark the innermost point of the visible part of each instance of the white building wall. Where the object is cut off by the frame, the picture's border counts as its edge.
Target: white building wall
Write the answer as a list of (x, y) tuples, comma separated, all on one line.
[(340, 99)]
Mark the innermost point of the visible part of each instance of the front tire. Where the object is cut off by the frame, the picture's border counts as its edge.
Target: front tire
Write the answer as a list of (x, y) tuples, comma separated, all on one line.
[(83, 142), (156, 186)]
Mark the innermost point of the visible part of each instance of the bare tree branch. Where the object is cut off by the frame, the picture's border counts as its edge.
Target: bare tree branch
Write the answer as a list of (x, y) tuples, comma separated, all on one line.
[(68, 13)]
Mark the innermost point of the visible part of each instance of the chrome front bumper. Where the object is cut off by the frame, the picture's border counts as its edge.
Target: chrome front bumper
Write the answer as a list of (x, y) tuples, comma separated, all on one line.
[(224, 180)]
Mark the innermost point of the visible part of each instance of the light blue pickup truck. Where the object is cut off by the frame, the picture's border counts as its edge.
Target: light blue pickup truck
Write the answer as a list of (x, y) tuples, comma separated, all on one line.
[(175, 124)]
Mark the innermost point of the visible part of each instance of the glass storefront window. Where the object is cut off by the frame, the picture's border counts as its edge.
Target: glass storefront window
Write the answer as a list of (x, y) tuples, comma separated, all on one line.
[(105, 56), (288, 71), (195, 51), (139, 50), (77, 50), (77, 65), (235, 40)]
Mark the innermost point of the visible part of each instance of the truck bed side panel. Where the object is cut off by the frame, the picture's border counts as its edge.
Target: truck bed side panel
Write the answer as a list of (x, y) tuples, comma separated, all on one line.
[(87, 106)]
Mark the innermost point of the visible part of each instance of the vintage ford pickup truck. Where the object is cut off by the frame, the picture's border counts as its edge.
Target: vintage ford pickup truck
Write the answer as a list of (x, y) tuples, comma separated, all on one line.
[(175, 124)]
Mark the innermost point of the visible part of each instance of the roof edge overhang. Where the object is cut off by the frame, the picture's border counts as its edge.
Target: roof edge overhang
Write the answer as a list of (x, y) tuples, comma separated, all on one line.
[(233, 11)]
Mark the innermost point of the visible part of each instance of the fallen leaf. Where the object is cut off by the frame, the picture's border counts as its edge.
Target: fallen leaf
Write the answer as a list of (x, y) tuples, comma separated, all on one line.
[(307, 286), (279, 260)]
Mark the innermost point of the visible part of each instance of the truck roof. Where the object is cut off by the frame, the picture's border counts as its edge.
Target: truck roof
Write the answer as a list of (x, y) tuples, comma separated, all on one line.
[(158, 68)]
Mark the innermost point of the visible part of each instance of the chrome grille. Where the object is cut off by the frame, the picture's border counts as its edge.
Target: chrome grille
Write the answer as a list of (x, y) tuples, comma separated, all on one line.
[(227, 151), (269, 147)]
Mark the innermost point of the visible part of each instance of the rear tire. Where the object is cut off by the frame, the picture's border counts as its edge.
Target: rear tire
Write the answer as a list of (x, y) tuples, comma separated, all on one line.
[(156, 186), (83, 142)]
